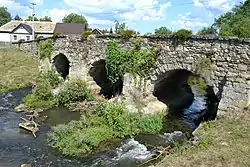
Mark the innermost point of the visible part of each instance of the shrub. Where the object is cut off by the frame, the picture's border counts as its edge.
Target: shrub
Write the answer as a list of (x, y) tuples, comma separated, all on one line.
[(75, 90), (86, 34), (103, 122), (46, 49), (21, 40), (55, 35), (52, 77), (182, 34), (127, 34), (42, 96)]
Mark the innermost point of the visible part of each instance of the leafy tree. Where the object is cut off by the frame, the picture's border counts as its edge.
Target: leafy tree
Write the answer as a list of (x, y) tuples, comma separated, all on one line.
[(235, 22), (30, 19), (75, 18), (111, 31), (207, 31), (18, 18), (163, 31), (119, 27), (5, 16), (46, 18)]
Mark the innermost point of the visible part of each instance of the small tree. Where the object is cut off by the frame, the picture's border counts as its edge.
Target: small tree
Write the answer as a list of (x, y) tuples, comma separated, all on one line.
[(207, 31), (163, 31), (30, 19), (5, 16), (18, 18), (46, 18), (75, 18)]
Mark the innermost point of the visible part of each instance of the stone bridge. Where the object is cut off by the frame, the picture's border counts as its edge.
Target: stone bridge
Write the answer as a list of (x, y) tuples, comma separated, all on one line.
[(230, 59)]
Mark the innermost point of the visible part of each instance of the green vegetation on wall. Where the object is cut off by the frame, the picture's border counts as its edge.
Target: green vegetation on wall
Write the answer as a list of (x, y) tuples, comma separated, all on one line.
[(182, 34), (103, 122), (46, 49), (136, 61)]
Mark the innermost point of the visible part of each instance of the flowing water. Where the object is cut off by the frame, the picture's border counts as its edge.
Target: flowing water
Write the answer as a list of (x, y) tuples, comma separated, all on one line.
[(18, 147)]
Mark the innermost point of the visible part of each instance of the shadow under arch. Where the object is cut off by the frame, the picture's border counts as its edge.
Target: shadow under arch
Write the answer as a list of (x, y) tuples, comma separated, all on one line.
[(99, 74), (184, 103), (62, 65)]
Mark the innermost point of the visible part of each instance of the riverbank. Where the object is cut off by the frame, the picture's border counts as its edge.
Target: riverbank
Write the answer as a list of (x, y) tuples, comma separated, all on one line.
[(225, 142), (17, 70)]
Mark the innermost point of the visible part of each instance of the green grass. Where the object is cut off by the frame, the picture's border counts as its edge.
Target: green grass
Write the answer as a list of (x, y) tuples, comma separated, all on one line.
[(226, 142), (17, 70), (103, 123)]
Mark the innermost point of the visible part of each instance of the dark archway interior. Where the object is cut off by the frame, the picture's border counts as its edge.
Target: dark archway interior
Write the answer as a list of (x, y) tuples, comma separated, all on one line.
[(99, 73), (172, 88), (61, 64)]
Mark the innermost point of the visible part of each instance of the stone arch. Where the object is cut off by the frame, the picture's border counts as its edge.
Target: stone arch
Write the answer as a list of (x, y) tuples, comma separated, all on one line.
[(99, 74), (173, 89), (61, 64)]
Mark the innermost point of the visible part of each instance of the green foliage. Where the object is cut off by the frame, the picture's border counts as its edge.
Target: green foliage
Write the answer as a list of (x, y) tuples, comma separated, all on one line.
[(42, 96), (75, 18), (46, 49), (119, 27), (30, 19), (235, 22), (5, 16), (75, 90), (182, 34), (18, 18), (53, 78), (127, 34), (86, 34), (46, 18), (163, 31), (56, 34), (120, 61), (207, 31), (103, 122), (198, 83)]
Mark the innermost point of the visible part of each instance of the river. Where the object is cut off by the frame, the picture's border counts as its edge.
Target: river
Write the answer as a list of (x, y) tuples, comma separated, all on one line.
[(18, 147)]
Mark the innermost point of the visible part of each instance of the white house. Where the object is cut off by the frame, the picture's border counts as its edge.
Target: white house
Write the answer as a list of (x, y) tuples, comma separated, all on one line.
[(13, 31)]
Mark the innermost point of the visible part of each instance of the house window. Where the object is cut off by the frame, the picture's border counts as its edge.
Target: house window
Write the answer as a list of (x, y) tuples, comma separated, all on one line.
[(28, 38), (15, 37)]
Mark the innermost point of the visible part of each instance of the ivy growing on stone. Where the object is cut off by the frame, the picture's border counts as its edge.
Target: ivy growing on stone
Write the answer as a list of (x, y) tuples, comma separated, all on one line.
[(135, 61), (46, 49)]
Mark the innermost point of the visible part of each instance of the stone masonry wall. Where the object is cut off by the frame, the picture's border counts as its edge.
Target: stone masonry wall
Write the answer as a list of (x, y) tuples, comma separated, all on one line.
[(230, 56)]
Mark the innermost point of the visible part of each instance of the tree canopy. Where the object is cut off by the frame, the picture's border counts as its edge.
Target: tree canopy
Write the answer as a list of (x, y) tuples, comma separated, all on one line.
[(5, 16), (235, 22), (75, 18), (30, 19), (46, 18), (18, 18), (207, 31), (163, 31)]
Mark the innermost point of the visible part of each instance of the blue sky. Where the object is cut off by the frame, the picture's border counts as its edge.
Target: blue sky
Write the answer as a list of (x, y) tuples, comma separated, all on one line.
[(141, 15)]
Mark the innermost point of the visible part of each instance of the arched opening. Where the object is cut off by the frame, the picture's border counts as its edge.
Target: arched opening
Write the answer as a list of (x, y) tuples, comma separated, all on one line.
[(61, 64), (99, 73), (183, 100)]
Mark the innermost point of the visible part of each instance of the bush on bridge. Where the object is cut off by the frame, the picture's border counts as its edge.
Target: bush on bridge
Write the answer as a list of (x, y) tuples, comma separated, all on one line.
[(46, 49), (136, 61)]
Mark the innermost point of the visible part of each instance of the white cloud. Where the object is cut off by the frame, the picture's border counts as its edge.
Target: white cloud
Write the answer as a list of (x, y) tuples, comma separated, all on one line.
[(146, 14), (223, 5), (12, 5), (58, 14), (188, 22)]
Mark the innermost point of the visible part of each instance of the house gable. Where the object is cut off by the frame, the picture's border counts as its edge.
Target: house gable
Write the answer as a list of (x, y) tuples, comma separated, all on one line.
[(22, 29)]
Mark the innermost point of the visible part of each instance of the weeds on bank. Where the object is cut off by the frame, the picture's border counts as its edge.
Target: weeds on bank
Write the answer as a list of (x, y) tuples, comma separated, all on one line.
[(224, 142), (17, 70), (103, 122), (43, 97)]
